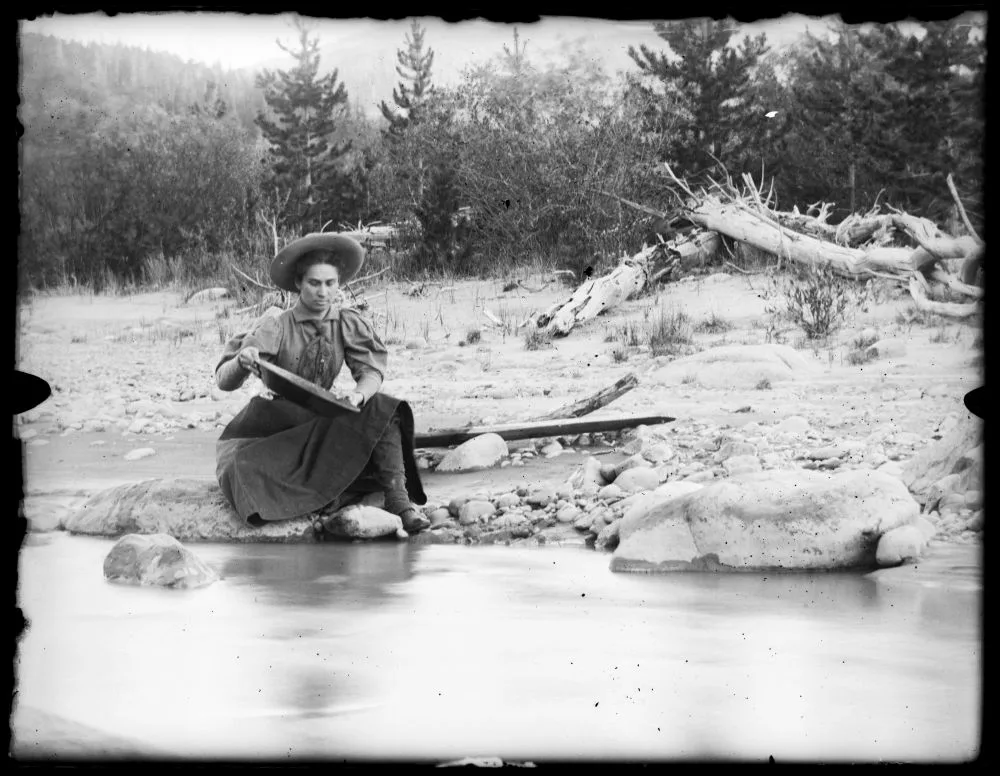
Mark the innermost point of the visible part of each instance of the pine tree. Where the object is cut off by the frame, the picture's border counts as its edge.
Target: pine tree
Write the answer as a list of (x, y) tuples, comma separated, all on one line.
[(702, 100), (415, 69), (940, 101), (306, 108)]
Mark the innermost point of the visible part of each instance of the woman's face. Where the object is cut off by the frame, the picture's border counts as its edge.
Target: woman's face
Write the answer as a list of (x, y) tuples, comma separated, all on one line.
[(318, 287)]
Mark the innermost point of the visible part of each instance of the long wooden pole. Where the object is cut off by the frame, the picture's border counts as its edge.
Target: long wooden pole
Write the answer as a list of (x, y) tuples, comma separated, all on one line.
[(445, 437)]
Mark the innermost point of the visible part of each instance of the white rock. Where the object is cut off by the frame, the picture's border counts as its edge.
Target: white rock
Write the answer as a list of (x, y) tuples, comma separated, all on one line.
[(777, 519), (900, 544), (481, 452), (156, 559), (439, 515), (363, 521), (208, 295), (610, 493), (588, 473), (736, 366), (741, 464), (732, 448), (540, 496), (138, 426), (568, 514), (506, 500), (26, 434), (475, 511), (794, 424), (551, 450), (636, 479), (658, 452), (141, 452), (607, 537)]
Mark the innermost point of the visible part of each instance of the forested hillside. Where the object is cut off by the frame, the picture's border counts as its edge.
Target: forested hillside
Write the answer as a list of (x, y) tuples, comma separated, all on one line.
[(136, 165)]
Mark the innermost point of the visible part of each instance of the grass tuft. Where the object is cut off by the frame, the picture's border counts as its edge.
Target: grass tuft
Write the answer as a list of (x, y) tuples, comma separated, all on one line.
[(668, 332), (713, 324), (536, 338)]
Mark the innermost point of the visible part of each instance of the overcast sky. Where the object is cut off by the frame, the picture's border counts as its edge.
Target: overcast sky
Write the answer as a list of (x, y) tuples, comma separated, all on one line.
[(238, 40)]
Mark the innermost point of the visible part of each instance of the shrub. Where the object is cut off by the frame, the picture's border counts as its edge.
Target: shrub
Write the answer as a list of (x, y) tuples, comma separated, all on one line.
[(536, 338), (628, 334), (667, 332), (861, 342), (472, 336), (818, 300), (763, 385), (713, 324), (862, 356)]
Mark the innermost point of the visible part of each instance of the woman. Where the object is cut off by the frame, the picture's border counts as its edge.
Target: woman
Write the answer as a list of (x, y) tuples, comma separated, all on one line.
[(277, 460)]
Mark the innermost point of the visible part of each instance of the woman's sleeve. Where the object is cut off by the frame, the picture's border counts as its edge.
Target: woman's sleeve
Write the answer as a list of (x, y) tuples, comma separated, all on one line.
[(364, 352), (265, 335)]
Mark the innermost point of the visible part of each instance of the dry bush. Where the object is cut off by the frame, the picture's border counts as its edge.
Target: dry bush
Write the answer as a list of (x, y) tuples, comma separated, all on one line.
[(713, 324), (536, 338), (818, 300), (667, 332)]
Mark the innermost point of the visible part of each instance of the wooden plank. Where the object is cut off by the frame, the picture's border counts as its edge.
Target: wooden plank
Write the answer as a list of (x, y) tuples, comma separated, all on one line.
[(533, 430)]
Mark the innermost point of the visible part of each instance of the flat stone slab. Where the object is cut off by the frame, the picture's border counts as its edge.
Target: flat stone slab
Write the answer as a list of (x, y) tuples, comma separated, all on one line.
[(794, 519), (188, 509), (736, 366)]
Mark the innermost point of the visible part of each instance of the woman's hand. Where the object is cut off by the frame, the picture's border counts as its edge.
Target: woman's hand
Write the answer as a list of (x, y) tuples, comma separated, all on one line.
[(249, 359), (356, 398)]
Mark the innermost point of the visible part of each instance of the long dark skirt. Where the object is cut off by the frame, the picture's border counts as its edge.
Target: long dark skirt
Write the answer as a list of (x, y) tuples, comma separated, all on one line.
[(278, 460)]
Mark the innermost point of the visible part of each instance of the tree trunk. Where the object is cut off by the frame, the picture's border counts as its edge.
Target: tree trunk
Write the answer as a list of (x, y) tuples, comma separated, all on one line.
[(738, 221), (629, 278), (918, 290), (741, 222), (597, 295)]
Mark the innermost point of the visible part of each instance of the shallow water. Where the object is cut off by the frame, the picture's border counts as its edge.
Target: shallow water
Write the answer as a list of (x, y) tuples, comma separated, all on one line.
[(388, 650)]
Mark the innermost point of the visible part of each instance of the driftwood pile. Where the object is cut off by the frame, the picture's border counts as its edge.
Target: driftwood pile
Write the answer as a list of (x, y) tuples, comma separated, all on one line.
[(860, 247)]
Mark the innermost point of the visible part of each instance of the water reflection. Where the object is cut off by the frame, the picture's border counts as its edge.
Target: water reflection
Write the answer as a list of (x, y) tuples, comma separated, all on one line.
[(391, 650), (313, 575)]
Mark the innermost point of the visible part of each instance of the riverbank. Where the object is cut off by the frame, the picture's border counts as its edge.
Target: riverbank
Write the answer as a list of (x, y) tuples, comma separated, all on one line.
[(133, 394)]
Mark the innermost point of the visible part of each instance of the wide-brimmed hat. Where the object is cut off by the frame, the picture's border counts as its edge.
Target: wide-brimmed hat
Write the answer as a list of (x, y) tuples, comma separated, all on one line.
[(346, 254)]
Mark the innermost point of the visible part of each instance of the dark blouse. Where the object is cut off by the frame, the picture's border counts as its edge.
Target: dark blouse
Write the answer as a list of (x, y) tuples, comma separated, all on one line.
[(284, 340)]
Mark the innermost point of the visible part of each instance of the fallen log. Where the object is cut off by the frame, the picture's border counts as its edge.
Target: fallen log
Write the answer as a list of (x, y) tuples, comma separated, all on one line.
[(761, 227), (596, 401), (918, 290), (631, 276), (740, 222), (534, 430), (597, 295)]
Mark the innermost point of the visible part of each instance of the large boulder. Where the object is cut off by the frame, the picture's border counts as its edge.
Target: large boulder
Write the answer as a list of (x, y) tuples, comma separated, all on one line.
[(195, 510), (736, 366), (957, 452), (156, 559), (480, 452), (796, 519)]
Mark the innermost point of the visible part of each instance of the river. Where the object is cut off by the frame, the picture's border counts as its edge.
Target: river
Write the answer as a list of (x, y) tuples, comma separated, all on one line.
[(392, 651)]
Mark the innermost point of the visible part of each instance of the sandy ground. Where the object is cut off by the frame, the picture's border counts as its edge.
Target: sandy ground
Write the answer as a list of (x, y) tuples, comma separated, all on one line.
[(136, 372)]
